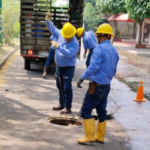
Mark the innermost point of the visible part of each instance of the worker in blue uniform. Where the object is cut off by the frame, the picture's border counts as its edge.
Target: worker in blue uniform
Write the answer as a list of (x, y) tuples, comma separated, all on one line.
[(66, 49), (51, 54), (100, 72), (50, 57), (89, 43)]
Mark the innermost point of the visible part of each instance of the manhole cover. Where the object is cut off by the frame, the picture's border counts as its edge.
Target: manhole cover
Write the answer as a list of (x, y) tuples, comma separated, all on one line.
[(65, 121)]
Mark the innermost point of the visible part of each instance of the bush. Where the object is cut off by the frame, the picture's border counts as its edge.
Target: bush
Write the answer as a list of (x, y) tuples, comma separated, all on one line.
[(10, 16), (91, 16), (118, 34), (0, 29)]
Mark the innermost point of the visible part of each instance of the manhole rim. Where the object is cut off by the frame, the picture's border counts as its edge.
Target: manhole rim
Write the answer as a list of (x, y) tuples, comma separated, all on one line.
[(69, 119)]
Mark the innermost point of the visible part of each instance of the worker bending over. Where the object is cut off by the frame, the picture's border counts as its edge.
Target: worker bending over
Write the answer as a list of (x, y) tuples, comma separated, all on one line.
[(89, 42)]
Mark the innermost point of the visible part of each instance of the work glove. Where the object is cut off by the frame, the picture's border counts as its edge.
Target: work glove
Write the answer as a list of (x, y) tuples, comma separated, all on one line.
[(48, 16), (54, 44), (84, 56), (79, 83)]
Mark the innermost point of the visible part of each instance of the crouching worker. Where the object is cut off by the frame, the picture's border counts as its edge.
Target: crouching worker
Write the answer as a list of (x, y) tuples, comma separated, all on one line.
[(100, 72), (66, 49)]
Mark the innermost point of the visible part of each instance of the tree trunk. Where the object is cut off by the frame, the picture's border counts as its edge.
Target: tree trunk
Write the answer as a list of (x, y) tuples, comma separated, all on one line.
[(140, 31), (134, 30), (115, 26)]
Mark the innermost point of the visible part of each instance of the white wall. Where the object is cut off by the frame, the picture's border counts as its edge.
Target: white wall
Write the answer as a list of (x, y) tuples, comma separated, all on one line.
[(125, 28)]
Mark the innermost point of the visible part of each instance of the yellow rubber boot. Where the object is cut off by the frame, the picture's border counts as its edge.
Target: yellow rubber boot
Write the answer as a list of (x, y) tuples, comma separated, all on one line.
[(101, 130), (89, 128)]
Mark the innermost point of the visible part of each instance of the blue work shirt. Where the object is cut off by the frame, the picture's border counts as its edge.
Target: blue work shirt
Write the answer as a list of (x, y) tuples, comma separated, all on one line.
[(52, 38), (103, 64), (89, 40), (66, 53)]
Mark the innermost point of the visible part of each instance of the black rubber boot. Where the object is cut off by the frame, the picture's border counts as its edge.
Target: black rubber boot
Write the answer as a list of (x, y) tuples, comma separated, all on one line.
[(58, 108)]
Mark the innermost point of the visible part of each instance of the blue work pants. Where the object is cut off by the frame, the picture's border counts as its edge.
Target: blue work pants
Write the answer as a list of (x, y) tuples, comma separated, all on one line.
[(64, 76), (98, 100), (89, 57), (50, 57)]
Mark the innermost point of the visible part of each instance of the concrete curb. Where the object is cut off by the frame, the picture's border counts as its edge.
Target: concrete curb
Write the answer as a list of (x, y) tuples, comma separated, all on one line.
[(8, 56)]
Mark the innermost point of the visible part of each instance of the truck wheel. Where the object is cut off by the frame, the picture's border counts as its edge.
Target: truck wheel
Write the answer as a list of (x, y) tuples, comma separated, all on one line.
[(27, 64)]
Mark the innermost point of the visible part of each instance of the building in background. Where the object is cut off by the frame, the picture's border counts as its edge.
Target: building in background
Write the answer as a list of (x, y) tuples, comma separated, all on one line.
[(125, 26)]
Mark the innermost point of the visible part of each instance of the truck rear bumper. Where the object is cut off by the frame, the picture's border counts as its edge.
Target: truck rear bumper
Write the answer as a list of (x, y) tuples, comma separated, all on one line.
[(35, 56)]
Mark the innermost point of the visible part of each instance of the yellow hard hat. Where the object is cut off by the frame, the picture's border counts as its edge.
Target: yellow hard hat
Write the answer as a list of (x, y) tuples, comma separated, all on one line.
[(68, 30), (105, 28), (80, 31)]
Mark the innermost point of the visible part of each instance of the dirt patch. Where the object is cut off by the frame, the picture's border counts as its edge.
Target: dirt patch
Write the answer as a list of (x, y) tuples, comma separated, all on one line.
[(7, 48), (132, 69), (4, 51)]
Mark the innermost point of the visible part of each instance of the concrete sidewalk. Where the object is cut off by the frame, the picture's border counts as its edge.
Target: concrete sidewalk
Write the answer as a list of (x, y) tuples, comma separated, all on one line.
[(7, 51)]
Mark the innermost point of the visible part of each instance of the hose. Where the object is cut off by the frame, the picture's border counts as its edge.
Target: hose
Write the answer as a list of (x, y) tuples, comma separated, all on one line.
[(64, 13), (48, 11)]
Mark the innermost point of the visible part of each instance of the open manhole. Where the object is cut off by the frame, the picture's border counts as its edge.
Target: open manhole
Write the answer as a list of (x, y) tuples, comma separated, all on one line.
[(65, 121)]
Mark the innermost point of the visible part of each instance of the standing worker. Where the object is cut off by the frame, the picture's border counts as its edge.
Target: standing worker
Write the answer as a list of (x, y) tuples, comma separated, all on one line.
[(101, 71), (89, 42), (50, 57), (51, 54), (66, 49)]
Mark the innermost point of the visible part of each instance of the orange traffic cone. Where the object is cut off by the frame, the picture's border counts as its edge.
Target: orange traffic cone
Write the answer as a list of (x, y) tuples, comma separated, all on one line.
[(139, 96)]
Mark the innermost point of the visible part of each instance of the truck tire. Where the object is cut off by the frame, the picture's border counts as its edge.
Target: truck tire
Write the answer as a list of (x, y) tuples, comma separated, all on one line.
[(27, 64)]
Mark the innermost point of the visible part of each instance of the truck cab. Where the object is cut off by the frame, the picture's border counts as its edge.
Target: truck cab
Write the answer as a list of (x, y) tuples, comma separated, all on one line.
[(35, 36)]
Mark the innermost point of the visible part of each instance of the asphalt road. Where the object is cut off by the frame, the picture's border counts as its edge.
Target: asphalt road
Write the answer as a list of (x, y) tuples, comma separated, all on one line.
[(26, 101)]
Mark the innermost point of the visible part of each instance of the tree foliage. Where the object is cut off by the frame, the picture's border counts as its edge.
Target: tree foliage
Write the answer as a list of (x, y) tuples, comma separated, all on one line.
[(112, 6), (10, 16), (91, 16), (1, 28), (138, 9), (90, 1)]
